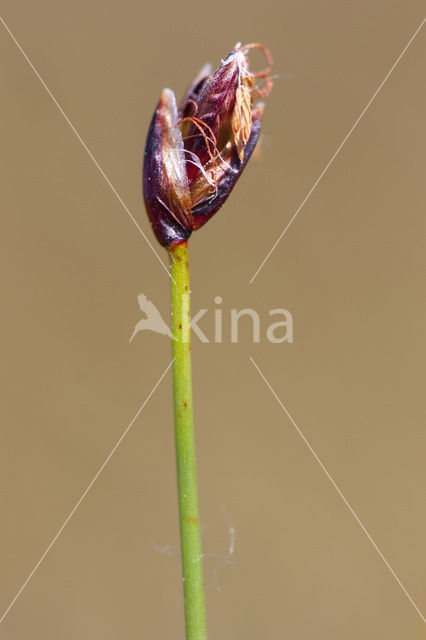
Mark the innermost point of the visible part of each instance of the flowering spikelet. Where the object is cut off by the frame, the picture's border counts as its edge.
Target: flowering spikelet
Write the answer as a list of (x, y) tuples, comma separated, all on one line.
[(194, 154)]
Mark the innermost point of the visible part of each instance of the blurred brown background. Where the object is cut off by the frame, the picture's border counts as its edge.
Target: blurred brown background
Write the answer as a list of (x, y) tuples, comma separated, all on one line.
[(350, 269)]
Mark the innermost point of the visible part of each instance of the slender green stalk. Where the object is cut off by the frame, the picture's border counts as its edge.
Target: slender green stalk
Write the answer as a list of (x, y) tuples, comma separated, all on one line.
[(185, 447)]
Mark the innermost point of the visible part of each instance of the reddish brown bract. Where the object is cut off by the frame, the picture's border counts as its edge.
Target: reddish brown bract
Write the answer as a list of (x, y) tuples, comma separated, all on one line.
[(195, 154)]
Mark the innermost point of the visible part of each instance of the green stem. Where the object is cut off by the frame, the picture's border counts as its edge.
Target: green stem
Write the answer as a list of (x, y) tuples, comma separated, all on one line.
[(185, 447)]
